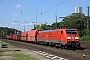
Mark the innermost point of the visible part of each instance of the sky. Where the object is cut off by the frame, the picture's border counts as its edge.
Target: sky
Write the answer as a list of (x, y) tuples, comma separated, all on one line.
[(19, 13)]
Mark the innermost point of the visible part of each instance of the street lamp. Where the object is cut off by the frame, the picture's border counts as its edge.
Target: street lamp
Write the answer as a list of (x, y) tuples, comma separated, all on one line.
[(15, 21), (36, 19), (15, 29), (16, 32), (56, 21), (61, 17), (8, 18), (37, 24), (63, 21)]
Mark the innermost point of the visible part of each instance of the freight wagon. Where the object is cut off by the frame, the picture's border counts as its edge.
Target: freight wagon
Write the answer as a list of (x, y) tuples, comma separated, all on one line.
[(16, 37), (24, 36), (31, 36)]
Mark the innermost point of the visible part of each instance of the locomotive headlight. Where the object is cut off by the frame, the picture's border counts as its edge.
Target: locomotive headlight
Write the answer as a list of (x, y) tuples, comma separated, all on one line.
[(68, 37), (77, 38)]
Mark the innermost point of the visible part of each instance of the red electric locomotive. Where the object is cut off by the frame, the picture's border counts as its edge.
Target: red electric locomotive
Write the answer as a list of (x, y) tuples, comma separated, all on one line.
[(60, 38)]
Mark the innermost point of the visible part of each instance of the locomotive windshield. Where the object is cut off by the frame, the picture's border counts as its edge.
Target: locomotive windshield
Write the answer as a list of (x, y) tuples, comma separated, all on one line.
[(71, 31)]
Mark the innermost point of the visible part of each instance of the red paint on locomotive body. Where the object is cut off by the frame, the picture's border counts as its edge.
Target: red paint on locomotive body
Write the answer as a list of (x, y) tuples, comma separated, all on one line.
[(62, 36)]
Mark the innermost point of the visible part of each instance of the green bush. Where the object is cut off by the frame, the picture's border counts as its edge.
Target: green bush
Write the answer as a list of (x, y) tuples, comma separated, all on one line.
[(23, 57), (4, 45), (85, 38)]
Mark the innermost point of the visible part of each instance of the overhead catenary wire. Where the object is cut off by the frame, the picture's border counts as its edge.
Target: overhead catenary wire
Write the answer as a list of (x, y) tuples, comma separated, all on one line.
[(51, 9), (21, 12), (30, 7), (40, 9), (55, 6)]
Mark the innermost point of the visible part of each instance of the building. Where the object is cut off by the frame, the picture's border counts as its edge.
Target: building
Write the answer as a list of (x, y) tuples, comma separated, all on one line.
[(78, 9)]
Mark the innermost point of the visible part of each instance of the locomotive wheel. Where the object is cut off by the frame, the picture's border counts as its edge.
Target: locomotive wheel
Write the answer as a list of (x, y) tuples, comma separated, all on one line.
[(62, 47), (59, 46), (67, 47), (56, 45), (52, 45)]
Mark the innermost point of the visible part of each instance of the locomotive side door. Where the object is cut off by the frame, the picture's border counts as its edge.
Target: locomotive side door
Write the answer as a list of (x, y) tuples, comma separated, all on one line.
[(62, 37)]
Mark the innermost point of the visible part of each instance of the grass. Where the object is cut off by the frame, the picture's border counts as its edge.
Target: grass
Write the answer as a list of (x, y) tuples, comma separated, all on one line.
[(14, 54), (17, 56), (85, 38), (23, 57), (4, 45), (1, 54)]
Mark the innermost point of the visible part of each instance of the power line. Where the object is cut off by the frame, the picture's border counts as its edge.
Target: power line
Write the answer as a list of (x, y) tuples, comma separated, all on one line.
[(27, 5), (52, 8), (55, 6), (37, 4)]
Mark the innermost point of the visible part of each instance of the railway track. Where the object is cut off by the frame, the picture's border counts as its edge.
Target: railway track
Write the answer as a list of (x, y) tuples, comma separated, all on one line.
[(78, 54)]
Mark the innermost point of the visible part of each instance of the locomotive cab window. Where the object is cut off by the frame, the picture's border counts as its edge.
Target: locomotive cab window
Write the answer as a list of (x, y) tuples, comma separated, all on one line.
[(71, 31)]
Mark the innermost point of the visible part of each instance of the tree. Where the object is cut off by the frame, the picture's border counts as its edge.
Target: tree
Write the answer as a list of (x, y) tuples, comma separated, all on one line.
[(75, 20), (42, 27), (7, 31)]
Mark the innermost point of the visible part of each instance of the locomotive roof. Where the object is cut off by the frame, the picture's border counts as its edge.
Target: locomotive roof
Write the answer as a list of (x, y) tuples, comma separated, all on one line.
[(49, 30), (56, 30)]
